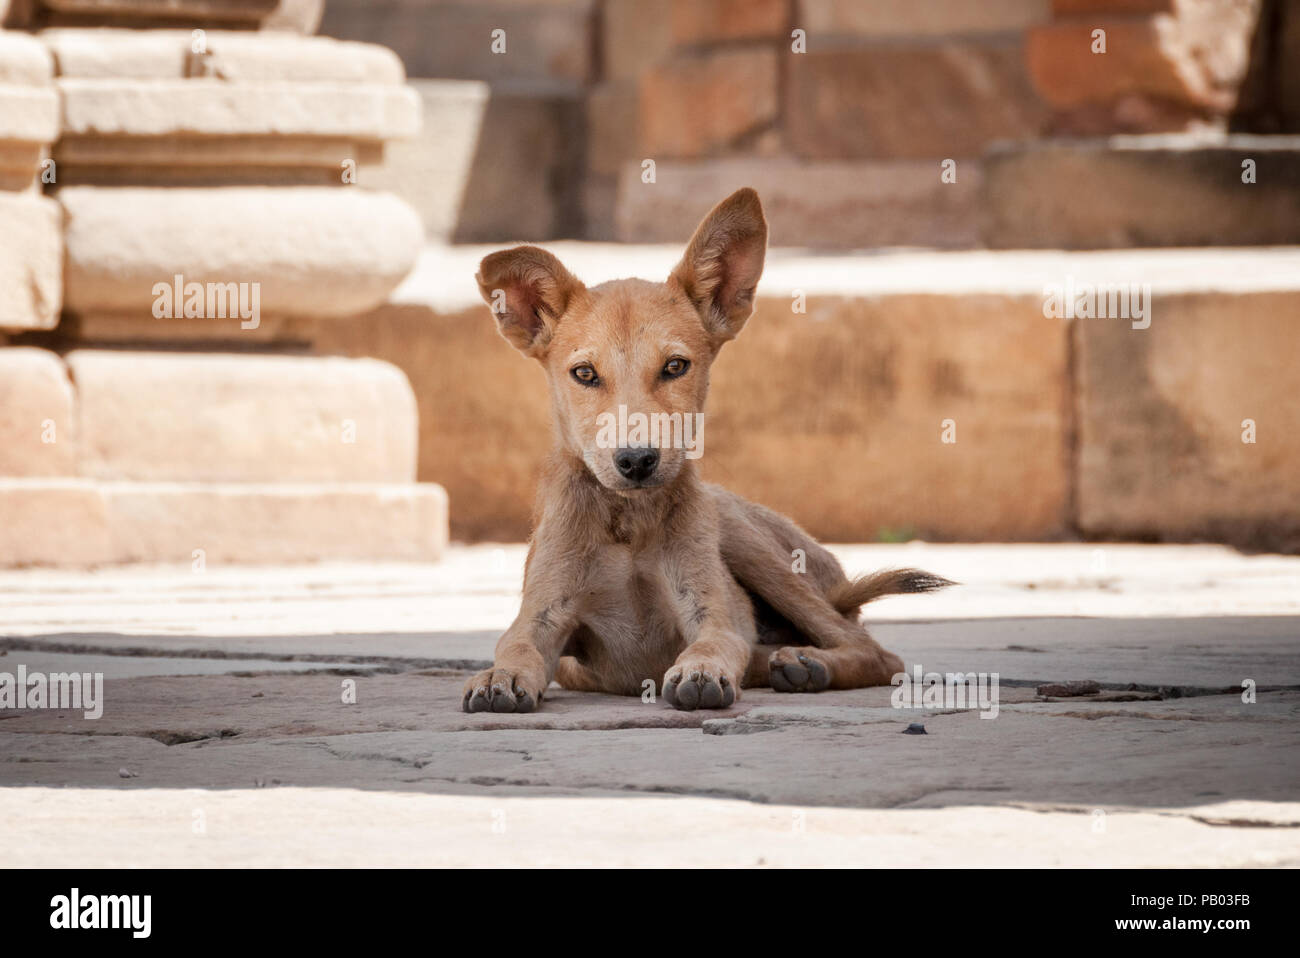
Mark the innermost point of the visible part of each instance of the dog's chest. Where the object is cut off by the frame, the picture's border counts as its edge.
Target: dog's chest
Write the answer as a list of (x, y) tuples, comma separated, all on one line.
[(629, 605)]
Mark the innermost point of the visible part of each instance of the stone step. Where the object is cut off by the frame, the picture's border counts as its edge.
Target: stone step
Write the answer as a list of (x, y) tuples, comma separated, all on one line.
[(1175, 190), (205, 417), (31, 261), (167, 107), (84, 522), (29, 110), (312, 251), (36, 414), (1117, 192), (838, 205), (1054, 435), (904, 18), (299, 16), (233, 56)]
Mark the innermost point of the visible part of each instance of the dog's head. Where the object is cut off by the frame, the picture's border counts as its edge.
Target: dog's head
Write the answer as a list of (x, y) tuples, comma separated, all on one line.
[(628, 361)]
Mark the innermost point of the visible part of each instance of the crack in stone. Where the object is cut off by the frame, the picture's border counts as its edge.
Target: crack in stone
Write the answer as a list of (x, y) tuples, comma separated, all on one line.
[(373, 663)]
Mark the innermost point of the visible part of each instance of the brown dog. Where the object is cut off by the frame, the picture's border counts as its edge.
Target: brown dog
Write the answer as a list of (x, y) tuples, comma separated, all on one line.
[(637, 570)]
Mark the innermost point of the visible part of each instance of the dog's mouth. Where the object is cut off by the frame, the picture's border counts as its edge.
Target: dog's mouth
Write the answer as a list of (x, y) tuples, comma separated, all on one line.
[(633, 488)]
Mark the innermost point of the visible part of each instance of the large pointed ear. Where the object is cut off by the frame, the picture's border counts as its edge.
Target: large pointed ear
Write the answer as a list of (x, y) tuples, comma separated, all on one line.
[(528, 290), (723, 262)]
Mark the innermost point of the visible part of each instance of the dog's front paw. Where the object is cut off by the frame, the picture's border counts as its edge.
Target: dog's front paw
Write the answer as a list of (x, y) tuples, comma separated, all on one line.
[(501, 690), (699, 686)]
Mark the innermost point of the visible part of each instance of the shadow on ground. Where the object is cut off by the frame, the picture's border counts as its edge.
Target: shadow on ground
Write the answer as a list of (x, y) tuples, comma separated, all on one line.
[(1168, 729)]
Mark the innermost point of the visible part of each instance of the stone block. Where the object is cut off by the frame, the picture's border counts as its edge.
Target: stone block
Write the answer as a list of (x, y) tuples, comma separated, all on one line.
[(37, 436), (823, 204), (905, 18), (198, 417), (718, 21), (947, 97), (312, 251), (1163, 413), (699, 103), (31, 261), (84, 522), (1143, 191)]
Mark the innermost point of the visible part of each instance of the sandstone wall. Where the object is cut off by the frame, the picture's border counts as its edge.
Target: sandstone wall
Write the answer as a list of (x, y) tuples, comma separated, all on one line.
[(178, 179), (843, 112)]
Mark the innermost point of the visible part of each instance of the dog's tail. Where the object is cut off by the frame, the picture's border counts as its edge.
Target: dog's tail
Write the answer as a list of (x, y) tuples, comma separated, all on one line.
[(858, 592)]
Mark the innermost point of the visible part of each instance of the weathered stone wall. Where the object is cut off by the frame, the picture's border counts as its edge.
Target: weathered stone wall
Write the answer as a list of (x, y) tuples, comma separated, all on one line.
[(133, 150), (176, 183), (838, 415), (843, 112)]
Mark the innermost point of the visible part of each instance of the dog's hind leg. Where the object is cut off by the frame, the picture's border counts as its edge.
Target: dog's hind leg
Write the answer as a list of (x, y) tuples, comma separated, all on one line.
[(789, 570), (765, 552), (572, 674)]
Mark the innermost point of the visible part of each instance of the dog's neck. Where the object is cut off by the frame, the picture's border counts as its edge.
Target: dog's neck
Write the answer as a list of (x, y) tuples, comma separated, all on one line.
[(621, 518)]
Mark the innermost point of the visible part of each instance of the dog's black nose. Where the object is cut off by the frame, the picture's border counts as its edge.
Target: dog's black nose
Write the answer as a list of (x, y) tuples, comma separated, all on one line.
[(636, 464)]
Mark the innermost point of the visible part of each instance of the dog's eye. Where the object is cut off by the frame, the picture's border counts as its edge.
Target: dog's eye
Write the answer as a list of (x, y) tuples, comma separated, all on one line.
[(585, 374), (676, 367)]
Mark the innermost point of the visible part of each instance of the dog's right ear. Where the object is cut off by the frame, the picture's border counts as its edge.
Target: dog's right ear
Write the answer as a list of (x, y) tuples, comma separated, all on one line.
[(528, 290)]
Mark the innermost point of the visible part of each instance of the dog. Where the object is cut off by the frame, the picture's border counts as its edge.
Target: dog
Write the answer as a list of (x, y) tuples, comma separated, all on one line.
[(638, 571)]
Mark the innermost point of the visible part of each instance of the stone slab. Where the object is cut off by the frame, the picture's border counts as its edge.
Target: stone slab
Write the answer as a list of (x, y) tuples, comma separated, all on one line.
[(82, 522), (918, 99), (1165, 414), (31, 261), (28, 114), (313, 251), (154, 161), (694, 104), (1196, 781), (903, 18), (115, 667), (1194, 617), (916, 361), (37, 422), (214, 107), (825, 204), (232, 56), (794, 752), (1143, 191), (23, 60), (281, 827), (493, 487), (238, 10), (247, 418)]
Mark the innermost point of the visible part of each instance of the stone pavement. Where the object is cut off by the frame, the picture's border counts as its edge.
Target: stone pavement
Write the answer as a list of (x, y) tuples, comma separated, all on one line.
[(225, 739)]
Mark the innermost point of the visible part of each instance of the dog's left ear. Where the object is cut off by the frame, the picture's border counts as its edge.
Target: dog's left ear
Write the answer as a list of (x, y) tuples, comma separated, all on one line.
[(723, 262)]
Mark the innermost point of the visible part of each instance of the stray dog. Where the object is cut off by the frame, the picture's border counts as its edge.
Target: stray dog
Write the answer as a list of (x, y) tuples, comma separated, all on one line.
[(637, 570)]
